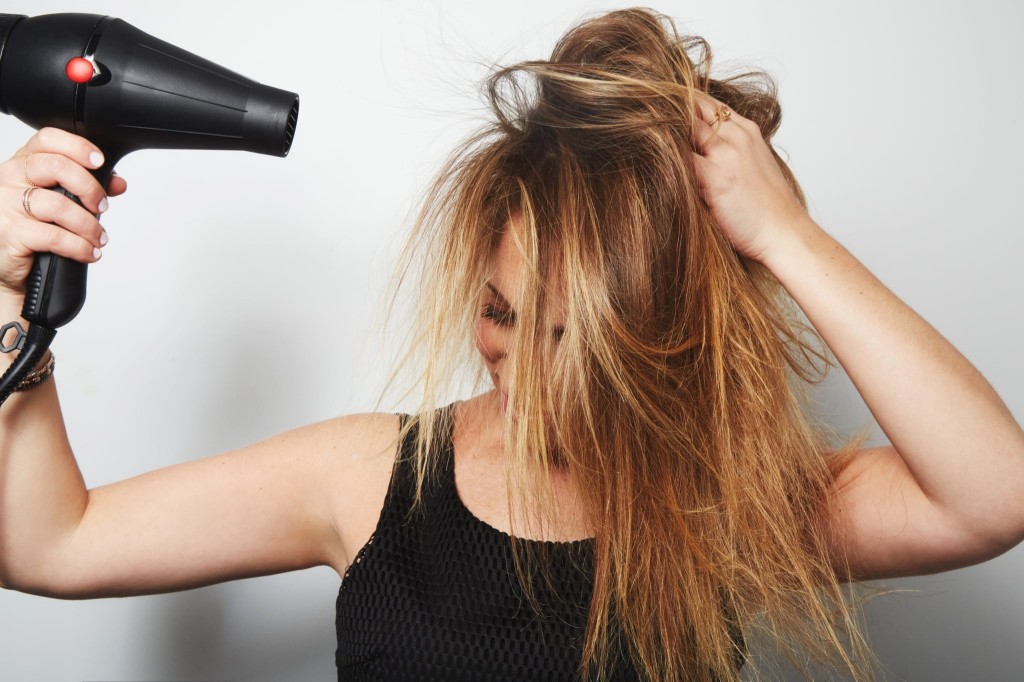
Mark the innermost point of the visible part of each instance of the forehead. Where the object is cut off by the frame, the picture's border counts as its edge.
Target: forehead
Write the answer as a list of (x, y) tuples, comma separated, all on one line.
[(508, 259), (510, 268)]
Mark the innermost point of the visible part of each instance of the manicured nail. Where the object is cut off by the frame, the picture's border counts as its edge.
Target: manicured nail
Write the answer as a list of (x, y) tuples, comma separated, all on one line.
[(104, 205), (104, 238), (96, 253), (96, 159)]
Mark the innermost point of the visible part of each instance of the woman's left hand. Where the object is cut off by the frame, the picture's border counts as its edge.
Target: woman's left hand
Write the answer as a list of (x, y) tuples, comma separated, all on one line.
[(741, 181)]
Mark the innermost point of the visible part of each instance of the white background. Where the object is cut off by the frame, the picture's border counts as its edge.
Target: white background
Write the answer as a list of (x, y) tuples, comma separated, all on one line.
[(235, 298)]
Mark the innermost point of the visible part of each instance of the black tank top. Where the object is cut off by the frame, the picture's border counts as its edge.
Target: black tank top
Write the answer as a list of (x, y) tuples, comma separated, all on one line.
[(435, 596)]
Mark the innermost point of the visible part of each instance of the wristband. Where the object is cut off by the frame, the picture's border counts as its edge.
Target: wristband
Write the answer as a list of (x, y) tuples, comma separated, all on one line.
[(36, 377)]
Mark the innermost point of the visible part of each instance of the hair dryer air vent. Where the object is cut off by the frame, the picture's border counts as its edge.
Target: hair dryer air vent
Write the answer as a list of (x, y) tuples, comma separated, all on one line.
[(289, 127)]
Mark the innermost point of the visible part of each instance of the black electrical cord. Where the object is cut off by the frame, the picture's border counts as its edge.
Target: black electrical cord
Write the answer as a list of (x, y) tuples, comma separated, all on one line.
[(37, 341)]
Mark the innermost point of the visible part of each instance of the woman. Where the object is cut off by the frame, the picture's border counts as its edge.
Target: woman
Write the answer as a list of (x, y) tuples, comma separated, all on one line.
[(619, 247)]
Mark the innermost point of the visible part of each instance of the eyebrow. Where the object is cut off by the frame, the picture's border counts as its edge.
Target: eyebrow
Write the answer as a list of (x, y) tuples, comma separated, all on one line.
[(497, 294), (559, 330)]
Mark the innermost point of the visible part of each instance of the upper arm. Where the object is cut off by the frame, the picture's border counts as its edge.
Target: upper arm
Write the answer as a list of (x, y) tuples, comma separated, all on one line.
[(886, 526), (293, 501)]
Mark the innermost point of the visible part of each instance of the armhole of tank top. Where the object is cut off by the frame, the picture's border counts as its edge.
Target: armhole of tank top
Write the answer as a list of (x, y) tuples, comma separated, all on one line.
[(385, 507)]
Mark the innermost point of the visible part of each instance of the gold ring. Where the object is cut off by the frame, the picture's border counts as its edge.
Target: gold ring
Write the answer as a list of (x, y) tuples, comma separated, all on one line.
[(26, 201), (721, 114), (27, 180)]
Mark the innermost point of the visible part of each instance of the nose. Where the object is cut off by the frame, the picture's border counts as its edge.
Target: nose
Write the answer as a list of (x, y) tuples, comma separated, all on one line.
[(496, 353), (493, 343), (500, 352)]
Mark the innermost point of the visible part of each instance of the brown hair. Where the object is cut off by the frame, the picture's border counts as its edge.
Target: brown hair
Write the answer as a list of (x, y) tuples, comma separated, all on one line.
[(674, 396)]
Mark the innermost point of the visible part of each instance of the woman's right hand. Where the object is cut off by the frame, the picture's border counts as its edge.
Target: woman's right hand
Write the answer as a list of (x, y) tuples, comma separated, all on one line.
[(56, 224)]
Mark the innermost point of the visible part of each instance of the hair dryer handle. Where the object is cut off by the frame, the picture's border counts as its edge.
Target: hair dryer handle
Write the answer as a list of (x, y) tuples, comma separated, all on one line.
[(55, 289), (54, 293)]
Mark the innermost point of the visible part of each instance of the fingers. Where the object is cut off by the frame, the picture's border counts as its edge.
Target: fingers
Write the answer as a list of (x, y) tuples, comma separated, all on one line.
[(712, 125), (53, 239), (57, 157), (117, 186), (703, 169), (48, 169), (708, 127), (49, 206), (34, 218), (57, 141)]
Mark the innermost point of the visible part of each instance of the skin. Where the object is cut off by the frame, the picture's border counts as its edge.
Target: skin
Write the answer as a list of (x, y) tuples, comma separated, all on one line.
[(479, 460), (947, 493)]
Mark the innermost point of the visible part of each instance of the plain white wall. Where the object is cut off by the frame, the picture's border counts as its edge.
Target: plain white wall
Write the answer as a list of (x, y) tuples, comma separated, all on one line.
[(235, 298)]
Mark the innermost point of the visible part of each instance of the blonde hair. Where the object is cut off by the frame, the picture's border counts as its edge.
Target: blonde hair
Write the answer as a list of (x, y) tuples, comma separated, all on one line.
[(674, 397)]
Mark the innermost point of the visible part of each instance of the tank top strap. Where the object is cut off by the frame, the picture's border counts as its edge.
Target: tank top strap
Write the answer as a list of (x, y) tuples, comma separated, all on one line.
[(438, 485)]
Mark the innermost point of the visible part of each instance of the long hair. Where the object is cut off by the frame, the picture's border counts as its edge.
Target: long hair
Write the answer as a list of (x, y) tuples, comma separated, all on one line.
[(675, 396)]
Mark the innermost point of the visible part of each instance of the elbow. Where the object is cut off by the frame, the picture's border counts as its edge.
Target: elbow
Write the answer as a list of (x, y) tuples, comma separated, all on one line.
[(1010, 522), (1016, 535), (994, 513), (49, 590), (999, 536), (40, 579), (27, 581), (999, 544), (966, 537)]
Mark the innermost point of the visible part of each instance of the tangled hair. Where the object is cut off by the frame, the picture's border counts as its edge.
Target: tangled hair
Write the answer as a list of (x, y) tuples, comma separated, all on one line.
[(675, 397)]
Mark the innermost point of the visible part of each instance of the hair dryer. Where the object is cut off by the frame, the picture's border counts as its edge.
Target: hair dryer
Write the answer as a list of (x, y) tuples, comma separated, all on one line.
[(103, 79)]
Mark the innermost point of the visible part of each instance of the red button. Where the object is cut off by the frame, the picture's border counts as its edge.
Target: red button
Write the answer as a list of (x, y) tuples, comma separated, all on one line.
[(80, 70)]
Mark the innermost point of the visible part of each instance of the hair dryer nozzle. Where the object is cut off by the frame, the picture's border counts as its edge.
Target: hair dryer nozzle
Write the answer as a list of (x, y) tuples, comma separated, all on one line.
[(270, 119)]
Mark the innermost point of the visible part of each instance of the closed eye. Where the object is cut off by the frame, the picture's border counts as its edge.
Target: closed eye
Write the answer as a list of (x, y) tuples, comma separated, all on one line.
[(502, 314), (502, 318)]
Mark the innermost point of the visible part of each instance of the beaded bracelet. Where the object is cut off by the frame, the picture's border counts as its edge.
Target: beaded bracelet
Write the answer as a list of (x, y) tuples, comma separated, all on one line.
[(36, 377)]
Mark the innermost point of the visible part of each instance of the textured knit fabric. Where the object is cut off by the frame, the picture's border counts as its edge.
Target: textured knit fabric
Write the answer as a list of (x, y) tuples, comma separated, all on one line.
[(435, 596)]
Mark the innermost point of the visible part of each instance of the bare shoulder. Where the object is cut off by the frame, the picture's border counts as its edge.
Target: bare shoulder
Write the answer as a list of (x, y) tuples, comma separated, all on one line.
[(354, 456), (352, 437)]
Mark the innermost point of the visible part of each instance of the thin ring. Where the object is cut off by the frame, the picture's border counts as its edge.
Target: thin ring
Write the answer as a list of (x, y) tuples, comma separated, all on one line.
[(25, 173), (26, 201)]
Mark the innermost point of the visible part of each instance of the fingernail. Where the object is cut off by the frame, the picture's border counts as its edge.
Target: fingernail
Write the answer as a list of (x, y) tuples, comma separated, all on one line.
[(96, 253), (96, 159), (104, 238), (104, 205)]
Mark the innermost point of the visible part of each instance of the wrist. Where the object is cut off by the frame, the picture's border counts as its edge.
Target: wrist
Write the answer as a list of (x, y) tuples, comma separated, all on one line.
[(793, 244), (11, 303), (10, 311)]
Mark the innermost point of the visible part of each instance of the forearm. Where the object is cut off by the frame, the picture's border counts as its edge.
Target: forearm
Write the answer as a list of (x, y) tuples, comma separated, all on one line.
[(958, 439), (42, 494)]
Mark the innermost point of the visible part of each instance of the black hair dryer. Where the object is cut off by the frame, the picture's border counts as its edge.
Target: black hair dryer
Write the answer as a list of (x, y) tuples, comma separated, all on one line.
[(103, 79)]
